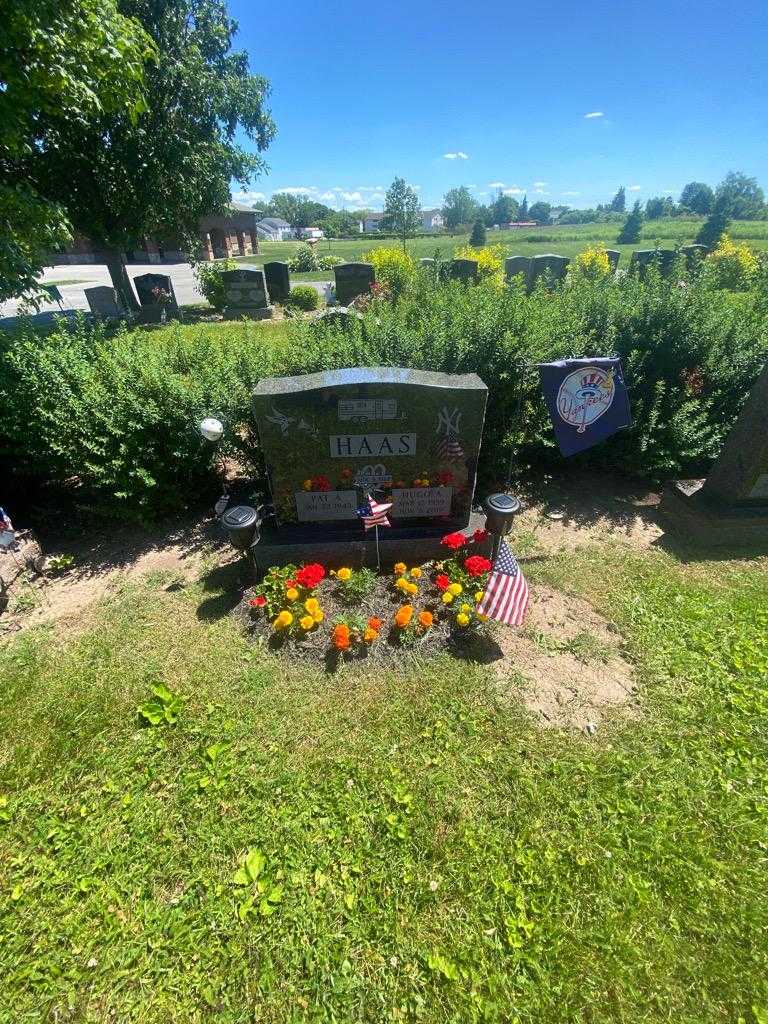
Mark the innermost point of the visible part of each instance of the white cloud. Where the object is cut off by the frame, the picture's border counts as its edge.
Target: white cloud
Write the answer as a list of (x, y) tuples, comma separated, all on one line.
[(352, 197), (416, 188), (378, 195), (635, 188), (540, 184), (513, 190), (369, 188), (298, 190), (248, 196), (455, 156), (496, 184), (594, 113), (570, 193), (327, 196), (540, 192), (483, 194)]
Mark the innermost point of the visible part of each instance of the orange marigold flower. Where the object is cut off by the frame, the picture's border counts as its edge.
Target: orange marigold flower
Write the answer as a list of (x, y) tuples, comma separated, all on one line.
[(374, 623), (404, 615), (426, 619), (370, 635)]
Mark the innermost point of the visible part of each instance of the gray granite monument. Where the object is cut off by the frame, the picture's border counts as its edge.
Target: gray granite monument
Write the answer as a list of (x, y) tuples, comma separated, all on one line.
[(156, 297), (353, 279), (643, 259), (246, 295), (102, 301), (693, 254), (278, 279), (517, 266), (463, 270), (729, 507), (550, 267), (613, 259), (409, 437)]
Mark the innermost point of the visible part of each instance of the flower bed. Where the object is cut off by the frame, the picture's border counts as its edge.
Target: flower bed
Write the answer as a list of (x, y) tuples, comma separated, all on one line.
[(343, 614)]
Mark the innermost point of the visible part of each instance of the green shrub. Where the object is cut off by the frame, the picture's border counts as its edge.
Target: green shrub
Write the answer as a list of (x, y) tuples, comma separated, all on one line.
[(305, 260), (732, 266), (209, 282), (303, 296), (394, 268)]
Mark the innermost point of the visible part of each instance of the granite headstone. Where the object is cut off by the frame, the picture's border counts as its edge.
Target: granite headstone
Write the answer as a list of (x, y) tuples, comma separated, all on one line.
[(278, 278), (246, 295), (156, 297), (516, 266), (102, 301), (411, 436), (549, 266), (463, 270), (643, 259), (731, 505), (353, 279), (613, 259)]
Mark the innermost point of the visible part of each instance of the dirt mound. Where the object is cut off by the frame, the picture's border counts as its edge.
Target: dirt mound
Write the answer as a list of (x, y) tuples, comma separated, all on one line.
[(565, 664)]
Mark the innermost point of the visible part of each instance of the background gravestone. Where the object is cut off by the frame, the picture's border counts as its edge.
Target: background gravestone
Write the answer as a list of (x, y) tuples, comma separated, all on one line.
[(613, 258), (549, 266), (246, 295), (278, 279), (353, 279), (102, 301), (463, 270), (731, 505), (642, 259), (411, 435), (148, 287), (427, 262), (516, 265), (693, 254)]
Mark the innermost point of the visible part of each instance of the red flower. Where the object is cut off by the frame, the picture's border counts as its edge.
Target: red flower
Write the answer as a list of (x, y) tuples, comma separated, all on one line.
[(480, 535), (445, 477), (320, 483), (476, 565), (454, 541), (310, 575), (442, 582), (258, 602)]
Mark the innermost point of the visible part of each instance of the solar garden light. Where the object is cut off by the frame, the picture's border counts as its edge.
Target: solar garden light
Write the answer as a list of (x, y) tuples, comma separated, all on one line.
[(212, 429), (500, 511)]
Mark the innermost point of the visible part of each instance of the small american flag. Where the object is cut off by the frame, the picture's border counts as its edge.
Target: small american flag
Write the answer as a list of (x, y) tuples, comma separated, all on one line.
[(506, 593), (449, 449), (374, 513)]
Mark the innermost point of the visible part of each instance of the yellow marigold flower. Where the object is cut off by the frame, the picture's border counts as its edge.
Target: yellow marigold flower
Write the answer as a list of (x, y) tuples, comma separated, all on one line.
[(466, 608), (416, 572), (479, 595), (402, 583), (291, 593), (462, 619), (312, 605), (306, 621), (455, 589), (370, 635), (447, 597), (318, 616), (307, 485), (481, 617), (283, 620), (411, 588), (400, 568), (344, 574)]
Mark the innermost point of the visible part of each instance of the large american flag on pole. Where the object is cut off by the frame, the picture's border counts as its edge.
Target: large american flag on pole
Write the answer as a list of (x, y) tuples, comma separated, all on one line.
[(506, 593), (374, 513)]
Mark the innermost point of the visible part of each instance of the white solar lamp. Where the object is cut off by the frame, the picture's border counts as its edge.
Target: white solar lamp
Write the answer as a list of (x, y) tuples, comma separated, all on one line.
[(212, 429)]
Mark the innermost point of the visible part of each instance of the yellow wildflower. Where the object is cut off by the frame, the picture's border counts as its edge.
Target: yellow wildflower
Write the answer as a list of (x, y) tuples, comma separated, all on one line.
[(416, 572), (466, 608), (312, 605), (447, 597), (306, 621), (402, 583), (283, 620), (318, 616), (455, 589), (462, 619), (411, 588), (479, 595), (344, 574)]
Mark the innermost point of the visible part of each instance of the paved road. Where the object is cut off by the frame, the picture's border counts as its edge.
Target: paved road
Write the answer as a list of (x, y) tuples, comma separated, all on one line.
[(89, 275)]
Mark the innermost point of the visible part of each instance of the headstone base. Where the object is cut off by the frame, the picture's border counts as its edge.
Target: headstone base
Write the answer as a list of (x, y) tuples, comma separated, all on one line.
[(298, 545), (700, 520), (249, 312)]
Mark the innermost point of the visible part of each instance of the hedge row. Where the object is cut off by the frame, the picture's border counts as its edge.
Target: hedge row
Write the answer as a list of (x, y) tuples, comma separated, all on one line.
[(119, 413)]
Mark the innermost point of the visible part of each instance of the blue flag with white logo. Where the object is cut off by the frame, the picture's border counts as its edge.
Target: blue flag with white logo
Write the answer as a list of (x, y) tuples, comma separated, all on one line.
[(587, 400)]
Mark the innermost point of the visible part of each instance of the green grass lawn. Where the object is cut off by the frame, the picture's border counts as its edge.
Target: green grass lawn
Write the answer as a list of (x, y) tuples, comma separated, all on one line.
[(419, 850), (566, 240)]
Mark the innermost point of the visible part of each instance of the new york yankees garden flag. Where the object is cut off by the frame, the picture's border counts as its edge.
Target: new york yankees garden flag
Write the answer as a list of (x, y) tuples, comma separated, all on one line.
[(587, 400)]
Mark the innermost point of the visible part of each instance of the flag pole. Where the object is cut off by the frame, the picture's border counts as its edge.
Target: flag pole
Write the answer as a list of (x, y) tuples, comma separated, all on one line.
[(378, 558)]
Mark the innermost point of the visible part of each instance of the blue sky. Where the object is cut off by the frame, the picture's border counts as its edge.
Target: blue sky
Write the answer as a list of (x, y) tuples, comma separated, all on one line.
[(564, 101)]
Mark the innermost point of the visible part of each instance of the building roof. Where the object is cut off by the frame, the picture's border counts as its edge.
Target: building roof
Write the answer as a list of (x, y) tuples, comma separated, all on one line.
[(274, 223), (241, 208), (431, 213), (374, 216)]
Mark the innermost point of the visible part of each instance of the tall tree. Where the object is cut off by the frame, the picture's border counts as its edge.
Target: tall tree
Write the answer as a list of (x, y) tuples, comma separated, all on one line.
[(62, 62), (630, 230), (744, 196), (478, 237), (522, 213), (458, 207), (619, 201), (402, 210), (121, 179), (540, 212), (697, 196), (504, 209), (717, 222)]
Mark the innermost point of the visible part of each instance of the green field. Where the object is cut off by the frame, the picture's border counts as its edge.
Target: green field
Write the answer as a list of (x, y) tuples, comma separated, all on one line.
[(566, 241), (429, 855)]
